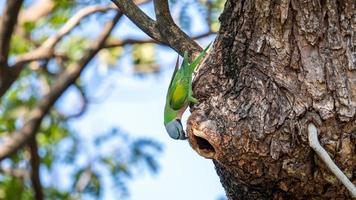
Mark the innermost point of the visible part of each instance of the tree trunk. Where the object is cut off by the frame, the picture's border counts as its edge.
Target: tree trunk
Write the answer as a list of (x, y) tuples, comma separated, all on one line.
[(275, 67)]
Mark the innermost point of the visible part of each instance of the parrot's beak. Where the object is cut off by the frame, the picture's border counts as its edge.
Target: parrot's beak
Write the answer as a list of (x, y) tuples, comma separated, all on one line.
[(182, 135)]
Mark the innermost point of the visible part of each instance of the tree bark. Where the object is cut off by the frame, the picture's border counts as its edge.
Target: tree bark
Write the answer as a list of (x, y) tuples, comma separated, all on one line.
[(275, 67)]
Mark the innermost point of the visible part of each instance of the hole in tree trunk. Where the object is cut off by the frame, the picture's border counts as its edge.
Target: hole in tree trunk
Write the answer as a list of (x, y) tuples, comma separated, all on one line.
[(203, 147)]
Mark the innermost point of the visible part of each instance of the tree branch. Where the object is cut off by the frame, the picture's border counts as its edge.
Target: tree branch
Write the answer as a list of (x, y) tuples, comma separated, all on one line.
[(117, 43), (8, 23), (83, 180), (174, 36), (138, 17), (20, 137), (164, 30), (35, 162), (36, 11), (83, 107), (323, 154)]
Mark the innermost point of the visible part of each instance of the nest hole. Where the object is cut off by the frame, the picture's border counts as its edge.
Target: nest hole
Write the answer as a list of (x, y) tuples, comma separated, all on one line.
[(204, 147)]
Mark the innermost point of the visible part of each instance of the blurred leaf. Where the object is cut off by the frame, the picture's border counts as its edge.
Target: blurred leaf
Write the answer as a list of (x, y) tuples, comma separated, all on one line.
[(109, 135), (94, 186), (74, 46), (14, 188), (143, 54), (108, 58), (87, 181), (61, 13), (64, 3), (19, 45), (29, 26), (144, 59), (56, 194), (47, 159), (146, 150)]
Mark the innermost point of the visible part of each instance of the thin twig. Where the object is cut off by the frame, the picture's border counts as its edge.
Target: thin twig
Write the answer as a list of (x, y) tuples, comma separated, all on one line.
[(83, 106), (36, 11), (321, 152), (83, 180), (35, 169), (118, 43)]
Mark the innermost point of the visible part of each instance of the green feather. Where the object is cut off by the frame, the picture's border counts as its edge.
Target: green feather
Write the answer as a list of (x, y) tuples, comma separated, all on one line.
[(197, 60), (174, 74)]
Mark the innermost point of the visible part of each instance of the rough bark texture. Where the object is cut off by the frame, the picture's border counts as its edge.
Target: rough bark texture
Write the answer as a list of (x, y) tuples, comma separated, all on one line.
[(276, 66)]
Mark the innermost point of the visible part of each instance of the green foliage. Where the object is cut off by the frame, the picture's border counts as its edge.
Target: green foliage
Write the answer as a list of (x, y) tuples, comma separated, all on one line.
[(108, 58), (59, 17), (14, 188), (53, 130), (29, 26), (74, 46), (19, 45), (143, 54), (62, 12), (55, 194), (17, 104)]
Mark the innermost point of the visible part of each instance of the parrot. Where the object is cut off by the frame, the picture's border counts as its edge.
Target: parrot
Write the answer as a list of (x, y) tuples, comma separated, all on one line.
[(179, 95)]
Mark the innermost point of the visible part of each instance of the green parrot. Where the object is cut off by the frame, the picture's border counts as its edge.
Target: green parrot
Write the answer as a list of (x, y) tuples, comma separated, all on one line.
[(179, 95)]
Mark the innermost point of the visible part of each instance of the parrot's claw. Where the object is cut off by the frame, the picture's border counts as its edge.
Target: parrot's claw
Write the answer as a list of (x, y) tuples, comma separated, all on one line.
[(193, 100)]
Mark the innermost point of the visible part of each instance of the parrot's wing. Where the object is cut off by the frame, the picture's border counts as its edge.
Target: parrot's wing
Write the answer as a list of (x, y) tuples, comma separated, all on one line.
[(173, 76), (197, 60), (178, 94), (174, 72), (185, 59)]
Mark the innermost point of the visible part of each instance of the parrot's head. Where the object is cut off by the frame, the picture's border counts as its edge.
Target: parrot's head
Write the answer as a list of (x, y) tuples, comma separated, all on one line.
[(175, 129)]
